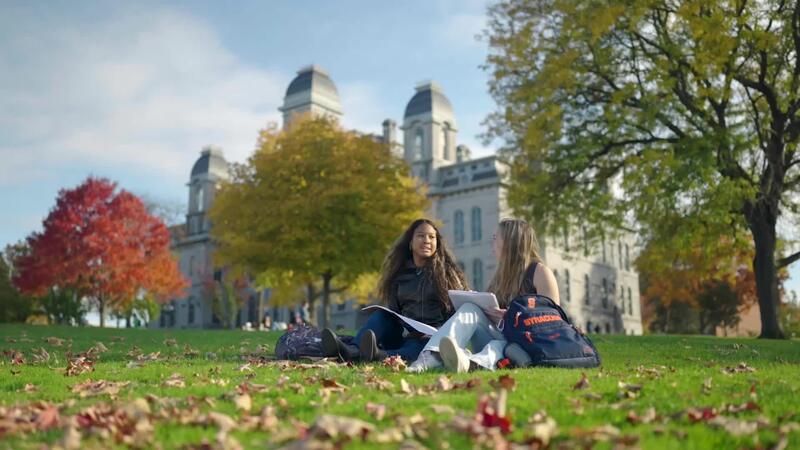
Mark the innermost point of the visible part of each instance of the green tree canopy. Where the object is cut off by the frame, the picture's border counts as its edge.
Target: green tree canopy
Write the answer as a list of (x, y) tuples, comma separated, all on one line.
[(641, 111), (314, 202)]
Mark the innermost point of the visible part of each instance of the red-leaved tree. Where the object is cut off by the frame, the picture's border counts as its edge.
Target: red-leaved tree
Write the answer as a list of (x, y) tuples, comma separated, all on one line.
[(101, 242)]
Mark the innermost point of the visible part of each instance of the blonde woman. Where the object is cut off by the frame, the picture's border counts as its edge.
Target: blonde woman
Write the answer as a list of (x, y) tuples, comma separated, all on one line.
[(519, 271)]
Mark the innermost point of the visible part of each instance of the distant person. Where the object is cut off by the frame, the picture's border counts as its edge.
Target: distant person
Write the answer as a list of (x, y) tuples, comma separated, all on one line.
[(304, 313), (266, 323), (415, 277)]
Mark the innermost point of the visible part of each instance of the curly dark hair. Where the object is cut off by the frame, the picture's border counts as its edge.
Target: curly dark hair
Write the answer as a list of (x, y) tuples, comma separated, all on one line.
[(441, 267)]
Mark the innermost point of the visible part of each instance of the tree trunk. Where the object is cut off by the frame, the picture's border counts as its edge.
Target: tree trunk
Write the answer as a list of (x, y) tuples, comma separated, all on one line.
[(311, 295), (326, 299), (102, 310), (128, 321), (762, 220)]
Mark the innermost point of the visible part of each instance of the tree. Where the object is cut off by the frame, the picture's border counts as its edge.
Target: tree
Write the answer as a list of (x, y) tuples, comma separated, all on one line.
[(228, 293), (640, 110), (13, 306), (101, 244), (317, 202)]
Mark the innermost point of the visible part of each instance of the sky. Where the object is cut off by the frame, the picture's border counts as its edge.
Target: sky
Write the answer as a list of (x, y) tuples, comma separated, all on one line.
[(132, 91)]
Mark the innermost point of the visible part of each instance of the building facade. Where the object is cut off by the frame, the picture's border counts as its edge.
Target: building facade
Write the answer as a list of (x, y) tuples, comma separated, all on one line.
[(599, 286)]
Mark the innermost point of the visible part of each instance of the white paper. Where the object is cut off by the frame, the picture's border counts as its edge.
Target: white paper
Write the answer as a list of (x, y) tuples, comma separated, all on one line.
[(415, 324), (486, 300)]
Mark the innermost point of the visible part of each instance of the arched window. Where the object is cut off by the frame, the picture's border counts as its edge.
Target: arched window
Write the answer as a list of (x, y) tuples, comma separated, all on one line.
[(608, 328), (619, 250), (446, 141), (586, 289), (476, 224), (458, 226), (589, 326), (191, 266), (191, 310), (199, 197), (417, 144), (630, 302), (603, 244), (477, 275), (567, 293), (627, 258), (605, 293)]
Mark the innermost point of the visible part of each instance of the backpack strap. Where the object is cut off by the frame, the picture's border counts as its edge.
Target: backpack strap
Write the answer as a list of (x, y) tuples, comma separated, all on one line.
[(527, 281)]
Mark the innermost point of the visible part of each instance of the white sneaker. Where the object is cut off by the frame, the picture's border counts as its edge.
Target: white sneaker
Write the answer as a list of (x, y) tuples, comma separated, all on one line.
[(426, 360), (454, 357)]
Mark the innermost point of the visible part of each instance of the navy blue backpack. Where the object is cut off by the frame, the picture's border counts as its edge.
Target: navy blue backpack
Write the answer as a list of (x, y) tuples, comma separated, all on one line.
[(542, 328)]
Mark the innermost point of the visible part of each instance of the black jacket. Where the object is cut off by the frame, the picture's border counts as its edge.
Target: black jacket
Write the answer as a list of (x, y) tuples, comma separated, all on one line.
[(414, 295)]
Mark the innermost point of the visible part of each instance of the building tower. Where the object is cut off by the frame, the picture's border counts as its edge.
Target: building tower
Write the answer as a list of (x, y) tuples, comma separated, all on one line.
[(429, 127), (311, 91)]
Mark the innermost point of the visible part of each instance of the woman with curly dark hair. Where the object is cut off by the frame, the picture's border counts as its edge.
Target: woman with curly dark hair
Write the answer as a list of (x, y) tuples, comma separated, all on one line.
[(415, 277)]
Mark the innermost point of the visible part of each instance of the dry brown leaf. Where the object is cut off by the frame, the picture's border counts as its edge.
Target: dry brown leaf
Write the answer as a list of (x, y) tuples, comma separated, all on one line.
[(542, 429), (376, 410), (54, 341), (170, 342), (40, 356), (243, 402), (333, 427), (404, 386), (443, 409), (443, 383), (395, 363), (224, 422), (583, 383), (91, 388), (648, 416), (79, 365), (30, 388), (175, 380), (740, 368)]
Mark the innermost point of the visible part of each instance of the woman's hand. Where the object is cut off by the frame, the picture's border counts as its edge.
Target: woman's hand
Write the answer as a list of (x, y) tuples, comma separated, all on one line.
[(496, 313)]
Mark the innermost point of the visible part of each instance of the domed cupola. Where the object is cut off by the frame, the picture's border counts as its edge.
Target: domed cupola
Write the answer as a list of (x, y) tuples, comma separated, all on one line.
[(312, 90)]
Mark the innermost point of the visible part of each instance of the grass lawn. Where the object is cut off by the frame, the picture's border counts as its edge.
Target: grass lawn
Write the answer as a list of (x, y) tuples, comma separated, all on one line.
[(219, 389)]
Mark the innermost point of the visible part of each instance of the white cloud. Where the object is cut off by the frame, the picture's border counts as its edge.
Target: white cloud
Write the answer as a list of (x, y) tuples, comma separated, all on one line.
[(139, 91)]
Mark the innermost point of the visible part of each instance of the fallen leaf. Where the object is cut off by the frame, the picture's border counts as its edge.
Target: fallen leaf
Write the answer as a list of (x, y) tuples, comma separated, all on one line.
[(395, 363), (404, 386), (376, 410), (175, 380), (243, 402), (583, 383), (334, 427), (443, 383), (542, 429), (506, 382), (91, 388), (30, 388), (40, 356), (54, 341), (79, 365), (648, 416), (701, 414), (170, 342), (443, 409), (740, 368)]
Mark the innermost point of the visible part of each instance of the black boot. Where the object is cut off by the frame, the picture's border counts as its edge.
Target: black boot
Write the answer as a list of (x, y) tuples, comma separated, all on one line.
[(333, 346), (368, 347)]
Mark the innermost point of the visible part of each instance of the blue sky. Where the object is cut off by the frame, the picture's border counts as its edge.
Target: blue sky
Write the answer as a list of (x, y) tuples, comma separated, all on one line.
[(132, 91)]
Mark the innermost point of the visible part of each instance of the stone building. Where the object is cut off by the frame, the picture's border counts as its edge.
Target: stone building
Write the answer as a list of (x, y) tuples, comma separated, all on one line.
[(599, 287)]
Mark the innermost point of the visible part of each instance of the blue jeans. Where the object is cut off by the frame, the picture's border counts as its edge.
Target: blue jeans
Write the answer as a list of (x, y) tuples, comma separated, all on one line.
[(388, 331)]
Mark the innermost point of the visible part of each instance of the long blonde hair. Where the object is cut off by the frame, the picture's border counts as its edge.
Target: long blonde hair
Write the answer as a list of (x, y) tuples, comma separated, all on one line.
[(520, 249)]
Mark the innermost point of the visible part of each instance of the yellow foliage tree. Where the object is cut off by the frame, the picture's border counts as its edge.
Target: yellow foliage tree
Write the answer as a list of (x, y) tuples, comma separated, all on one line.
[(314, 202)]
